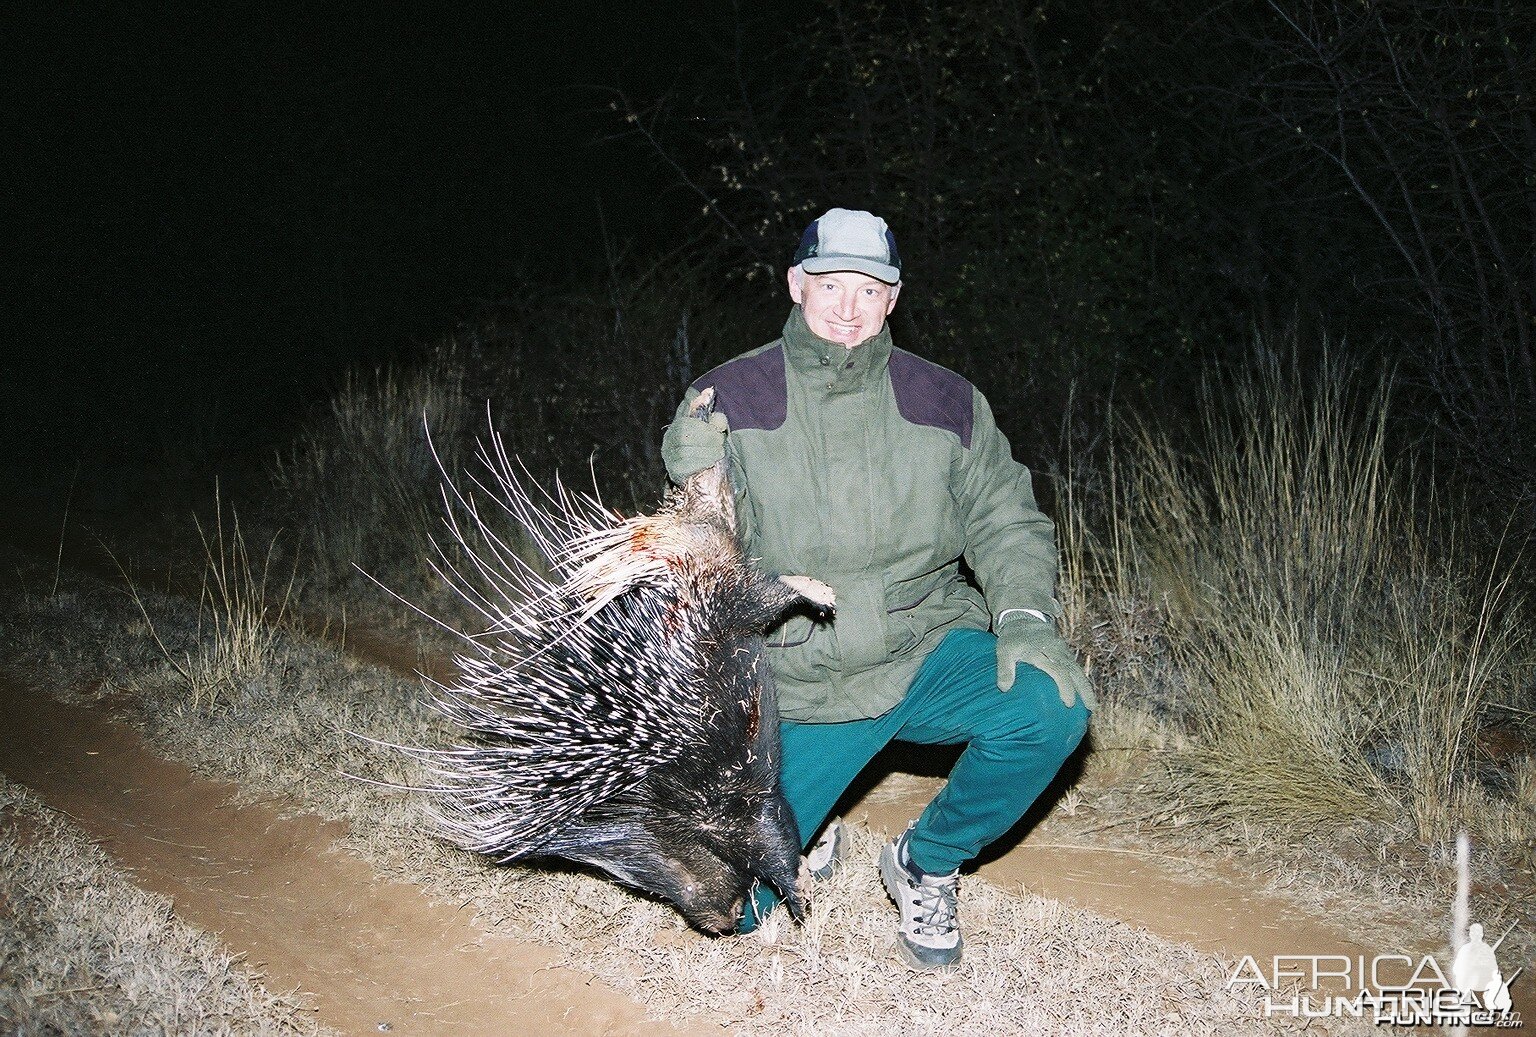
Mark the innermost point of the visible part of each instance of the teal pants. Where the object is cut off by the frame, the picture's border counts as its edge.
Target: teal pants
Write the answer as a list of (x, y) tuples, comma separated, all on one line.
[(1015, 743)]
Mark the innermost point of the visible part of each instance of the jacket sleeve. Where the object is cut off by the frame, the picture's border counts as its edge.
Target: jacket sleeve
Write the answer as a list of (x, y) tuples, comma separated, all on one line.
[(1009, 543)]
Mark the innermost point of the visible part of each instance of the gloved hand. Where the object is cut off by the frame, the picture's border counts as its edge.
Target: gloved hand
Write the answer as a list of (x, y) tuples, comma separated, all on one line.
[(692, 444), (1028, 640)]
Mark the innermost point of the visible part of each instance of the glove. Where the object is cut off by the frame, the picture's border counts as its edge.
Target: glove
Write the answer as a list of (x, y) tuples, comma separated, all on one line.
[(1033, 642), (691, 444)]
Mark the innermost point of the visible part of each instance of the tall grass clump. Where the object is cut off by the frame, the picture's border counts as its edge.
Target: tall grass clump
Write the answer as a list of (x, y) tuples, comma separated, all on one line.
[(243, 608), (1335, 646), (246, 607), (361, 483)]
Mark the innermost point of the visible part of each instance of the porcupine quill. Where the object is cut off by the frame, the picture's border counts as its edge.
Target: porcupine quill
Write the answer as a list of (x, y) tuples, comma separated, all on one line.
[(617, 708)]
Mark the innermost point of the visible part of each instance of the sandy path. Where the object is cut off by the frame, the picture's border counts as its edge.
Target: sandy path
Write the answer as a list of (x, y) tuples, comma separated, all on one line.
[(1219, 915), (307, 915), (1218, 912)]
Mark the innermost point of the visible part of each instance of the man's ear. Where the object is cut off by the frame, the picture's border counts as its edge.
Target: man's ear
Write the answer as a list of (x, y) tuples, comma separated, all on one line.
[(796, 284), (895, 291)]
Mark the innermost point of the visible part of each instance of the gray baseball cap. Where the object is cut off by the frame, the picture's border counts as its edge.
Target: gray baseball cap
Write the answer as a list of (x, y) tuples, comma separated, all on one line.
[(849, 239)]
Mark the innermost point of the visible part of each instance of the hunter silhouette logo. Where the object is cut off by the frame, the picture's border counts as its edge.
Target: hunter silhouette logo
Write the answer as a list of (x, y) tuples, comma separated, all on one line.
[(1476, 971)]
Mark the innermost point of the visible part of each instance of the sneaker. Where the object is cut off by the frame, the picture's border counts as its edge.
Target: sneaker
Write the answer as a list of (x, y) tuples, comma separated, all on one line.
[(823, 858), (929, 937)]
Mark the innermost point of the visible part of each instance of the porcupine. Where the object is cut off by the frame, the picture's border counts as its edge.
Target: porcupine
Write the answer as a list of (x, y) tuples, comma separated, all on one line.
[(619, 711)]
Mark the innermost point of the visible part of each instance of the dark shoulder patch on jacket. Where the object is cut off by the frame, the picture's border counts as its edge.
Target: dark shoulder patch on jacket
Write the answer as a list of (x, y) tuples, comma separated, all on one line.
[(927, 394), (751, 390)]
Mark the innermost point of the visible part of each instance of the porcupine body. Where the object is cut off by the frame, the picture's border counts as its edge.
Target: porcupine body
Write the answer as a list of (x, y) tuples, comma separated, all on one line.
[(618, 709)]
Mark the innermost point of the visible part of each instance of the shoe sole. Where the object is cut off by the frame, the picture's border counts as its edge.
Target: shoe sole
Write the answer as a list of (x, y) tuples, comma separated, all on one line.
[(893, 886)]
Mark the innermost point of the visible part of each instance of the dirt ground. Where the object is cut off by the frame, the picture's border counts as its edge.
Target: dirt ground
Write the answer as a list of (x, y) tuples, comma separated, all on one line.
[(371, 953), (374, 955)]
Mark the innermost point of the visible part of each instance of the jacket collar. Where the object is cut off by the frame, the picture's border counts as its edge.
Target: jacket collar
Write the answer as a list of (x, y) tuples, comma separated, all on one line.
[(808, 353)]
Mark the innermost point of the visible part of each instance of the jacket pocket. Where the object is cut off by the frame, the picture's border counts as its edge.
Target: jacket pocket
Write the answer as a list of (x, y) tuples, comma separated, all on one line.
[(854, 640), (859, 622), (905, 625)]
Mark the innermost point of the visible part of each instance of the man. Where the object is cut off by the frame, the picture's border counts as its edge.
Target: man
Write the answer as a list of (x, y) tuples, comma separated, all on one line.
[(876, 472)]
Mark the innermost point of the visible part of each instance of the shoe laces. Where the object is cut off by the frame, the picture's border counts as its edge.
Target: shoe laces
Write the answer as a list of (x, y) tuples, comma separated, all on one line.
[(937, 897), (938, 903)]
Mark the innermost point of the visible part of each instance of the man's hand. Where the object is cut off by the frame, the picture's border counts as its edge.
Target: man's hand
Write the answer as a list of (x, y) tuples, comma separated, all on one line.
[(1027, 640), (691, 445)]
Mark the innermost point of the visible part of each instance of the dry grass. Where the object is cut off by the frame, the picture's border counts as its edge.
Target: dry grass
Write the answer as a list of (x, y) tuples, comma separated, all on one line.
[(1031, 965), (242, 611), (1277, 586), (84, 951), (361, 482)]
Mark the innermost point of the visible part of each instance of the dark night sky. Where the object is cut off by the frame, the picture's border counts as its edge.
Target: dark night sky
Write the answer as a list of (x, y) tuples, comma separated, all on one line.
[(213, 199)]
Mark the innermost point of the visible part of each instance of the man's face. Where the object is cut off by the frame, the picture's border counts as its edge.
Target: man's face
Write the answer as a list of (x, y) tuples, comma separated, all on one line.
[(846, 307)]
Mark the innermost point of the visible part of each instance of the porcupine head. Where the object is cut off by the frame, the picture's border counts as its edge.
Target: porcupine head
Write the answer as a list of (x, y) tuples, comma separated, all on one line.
[(701, 829)]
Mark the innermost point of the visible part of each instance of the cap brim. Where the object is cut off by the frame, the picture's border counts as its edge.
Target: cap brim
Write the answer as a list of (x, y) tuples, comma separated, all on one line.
[(860, 264)]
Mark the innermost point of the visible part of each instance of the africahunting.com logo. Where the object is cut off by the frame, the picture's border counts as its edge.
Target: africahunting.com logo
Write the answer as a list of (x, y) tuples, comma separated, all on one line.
[(1393, 989), (1388, 989)]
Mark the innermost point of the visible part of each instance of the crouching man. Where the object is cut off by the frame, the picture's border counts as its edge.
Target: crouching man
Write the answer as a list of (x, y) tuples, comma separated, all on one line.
[(876, 472)]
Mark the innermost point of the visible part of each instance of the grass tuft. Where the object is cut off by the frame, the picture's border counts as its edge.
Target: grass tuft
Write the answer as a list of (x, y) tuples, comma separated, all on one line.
[(1322, 633), (362, 481), (241, 614)]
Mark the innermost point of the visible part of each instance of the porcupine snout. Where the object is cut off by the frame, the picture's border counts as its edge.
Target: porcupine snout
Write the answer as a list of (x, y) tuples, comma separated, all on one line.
[(711, 878)]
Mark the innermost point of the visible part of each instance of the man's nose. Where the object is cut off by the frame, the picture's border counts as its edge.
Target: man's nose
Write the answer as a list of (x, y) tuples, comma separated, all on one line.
[(847, 306)]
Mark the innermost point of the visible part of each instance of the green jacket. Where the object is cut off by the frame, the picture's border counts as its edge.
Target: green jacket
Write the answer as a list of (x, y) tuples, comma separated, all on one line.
[(874, 471)]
